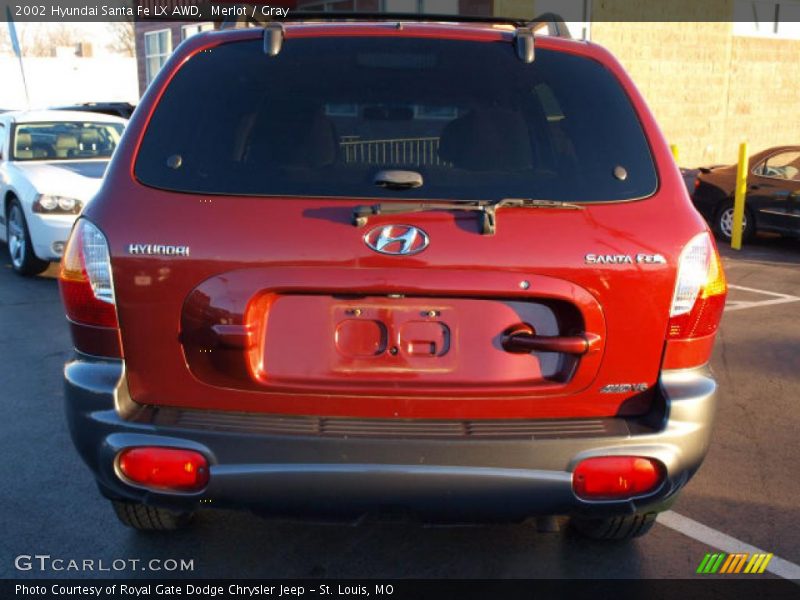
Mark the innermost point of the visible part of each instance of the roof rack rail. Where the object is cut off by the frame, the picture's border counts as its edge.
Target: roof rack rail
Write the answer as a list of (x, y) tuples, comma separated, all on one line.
[(555, 25), (299, 15), (553, 22), (523, 38)]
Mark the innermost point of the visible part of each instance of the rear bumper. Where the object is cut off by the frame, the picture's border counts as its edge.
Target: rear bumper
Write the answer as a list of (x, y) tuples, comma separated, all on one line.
[(340, 475)]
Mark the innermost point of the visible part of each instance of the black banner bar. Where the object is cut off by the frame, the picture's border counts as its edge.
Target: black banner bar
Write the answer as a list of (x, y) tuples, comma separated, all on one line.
[(402, 589), (220, 10)]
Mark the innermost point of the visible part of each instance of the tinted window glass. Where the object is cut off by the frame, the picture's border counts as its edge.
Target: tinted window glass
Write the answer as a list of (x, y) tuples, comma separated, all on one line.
[(325, 115), (784, 165), (65, 140)]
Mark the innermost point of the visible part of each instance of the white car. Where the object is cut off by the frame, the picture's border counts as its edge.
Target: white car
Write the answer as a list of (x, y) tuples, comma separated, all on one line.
[(51, 164)]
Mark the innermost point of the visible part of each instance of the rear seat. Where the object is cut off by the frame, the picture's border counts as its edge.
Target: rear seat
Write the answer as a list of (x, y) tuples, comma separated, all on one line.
[(490, 139)]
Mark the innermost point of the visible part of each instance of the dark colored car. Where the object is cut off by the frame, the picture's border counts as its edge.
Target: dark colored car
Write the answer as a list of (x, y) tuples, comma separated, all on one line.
[(338, 268), (773, 194), (116, 109)]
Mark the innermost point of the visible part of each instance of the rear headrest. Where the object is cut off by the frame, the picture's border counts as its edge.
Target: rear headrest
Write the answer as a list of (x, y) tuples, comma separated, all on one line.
[(90, 136), (293, 138), (66, 141), (490, 139), (23, 141)]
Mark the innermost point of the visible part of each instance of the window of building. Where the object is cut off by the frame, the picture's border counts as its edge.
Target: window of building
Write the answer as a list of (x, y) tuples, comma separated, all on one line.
[(424, 111), (434, 7), (188, 31), (157, 48), (439, 7), (767, 18), (341, 110)]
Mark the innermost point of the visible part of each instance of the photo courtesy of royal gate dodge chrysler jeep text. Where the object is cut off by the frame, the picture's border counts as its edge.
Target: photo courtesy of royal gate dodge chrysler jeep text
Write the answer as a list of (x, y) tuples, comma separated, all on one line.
[(339, 267)]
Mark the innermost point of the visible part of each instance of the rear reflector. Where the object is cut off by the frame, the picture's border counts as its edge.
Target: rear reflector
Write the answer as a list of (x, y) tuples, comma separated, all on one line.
[(616, 477), (164, 468)]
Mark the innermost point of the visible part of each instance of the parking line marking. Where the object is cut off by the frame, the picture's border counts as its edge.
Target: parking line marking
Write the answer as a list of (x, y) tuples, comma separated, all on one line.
[(757, 291), (721, 541), (743, 304)]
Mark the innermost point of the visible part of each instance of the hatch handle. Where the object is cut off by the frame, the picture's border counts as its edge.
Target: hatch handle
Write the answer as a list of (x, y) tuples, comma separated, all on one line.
[(522, 342)]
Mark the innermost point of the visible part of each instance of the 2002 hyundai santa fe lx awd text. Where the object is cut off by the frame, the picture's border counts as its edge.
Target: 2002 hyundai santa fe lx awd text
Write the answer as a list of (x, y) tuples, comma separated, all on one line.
[(340, 267)]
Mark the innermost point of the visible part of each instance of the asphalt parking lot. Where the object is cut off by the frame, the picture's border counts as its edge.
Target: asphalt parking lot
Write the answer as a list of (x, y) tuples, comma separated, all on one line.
[(747, 492)]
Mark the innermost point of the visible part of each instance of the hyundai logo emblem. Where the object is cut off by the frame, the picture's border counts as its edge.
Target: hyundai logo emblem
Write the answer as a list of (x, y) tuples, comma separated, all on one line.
[(397, 240)]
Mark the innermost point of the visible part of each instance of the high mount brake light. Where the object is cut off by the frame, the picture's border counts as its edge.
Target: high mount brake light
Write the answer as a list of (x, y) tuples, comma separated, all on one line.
[(85, 280), (700, 291)]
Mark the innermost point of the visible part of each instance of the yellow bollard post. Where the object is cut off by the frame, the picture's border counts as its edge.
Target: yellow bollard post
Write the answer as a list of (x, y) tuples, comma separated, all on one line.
[(675, 154), (739, 197)]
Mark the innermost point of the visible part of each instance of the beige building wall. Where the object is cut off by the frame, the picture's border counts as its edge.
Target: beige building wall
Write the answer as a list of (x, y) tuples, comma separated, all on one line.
[(708, 88)]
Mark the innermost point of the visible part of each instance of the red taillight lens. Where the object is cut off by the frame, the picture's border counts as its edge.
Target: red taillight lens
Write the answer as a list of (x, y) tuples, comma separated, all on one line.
[(85, 278), (83, 307), (164, 468), (616, 477), (700, 291)]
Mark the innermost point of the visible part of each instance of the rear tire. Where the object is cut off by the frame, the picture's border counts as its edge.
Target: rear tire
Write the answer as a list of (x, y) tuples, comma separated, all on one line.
[(150, 518), (18, 239), (723, 223), (620, 528)]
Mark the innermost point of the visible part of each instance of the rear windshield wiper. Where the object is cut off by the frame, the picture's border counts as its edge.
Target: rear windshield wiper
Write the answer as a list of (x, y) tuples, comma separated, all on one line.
[(486, 209)]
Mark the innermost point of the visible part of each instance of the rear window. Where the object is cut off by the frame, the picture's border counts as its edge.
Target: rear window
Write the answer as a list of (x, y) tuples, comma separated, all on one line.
[(327, 114), (65, 140)]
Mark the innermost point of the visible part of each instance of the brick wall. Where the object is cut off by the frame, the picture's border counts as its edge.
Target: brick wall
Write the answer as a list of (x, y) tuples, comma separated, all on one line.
[(709, 89), (763, 103), (682, 71)]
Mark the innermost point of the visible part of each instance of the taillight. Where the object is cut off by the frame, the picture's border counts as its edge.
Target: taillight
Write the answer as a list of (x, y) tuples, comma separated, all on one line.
[(164, 468), (616, 477), (85, 278), (700, 291), (87, 291)]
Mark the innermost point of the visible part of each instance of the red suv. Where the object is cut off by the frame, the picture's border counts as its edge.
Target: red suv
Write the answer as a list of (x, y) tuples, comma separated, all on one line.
[(341, 267)]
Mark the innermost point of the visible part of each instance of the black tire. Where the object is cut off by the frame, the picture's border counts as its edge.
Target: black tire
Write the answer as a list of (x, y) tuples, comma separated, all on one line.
[(150, 518), (18, 239), (722, 227), (614, 528)]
